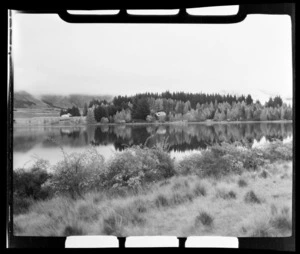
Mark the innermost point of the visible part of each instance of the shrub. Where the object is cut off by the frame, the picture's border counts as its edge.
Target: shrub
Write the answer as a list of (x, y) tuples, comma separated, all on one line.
[(277, 150), (29, 183), (216, 162), (189, 164), (251, 197), (205, 219), (226, 158), (136, 166), (78, 173)]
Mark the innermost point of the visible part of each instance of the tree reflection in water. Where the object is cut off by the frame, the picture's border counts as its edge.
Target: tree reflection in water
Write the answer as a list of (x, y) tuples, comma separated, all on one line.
[(180, 137)]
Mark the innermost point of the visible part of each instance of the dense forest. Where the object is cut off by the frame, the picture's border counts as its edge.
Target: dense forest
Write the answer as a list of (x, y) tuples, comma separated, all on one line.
[(180, 106)]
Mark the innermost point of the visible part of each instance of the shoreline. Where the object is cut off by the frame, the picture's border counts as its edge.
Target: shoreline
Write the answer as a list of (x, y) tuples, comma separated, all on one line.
[(179, 123)]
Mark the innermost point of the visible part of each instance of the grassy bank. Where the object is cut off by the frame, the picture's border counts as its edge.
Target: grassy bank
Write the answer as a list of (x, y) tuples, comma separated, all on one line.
[(227, 190)]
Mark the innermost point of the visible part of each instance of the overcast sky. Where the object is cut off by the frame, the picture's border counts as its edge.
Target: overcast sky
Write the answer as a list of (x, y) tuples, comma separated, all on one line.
[(52, 56)]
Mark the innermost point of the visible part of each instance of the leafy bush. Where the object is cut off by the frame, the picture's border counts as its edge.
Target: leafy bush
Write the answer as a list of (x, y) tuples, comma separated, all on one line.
[(29, 183), (138, 166), (210, 163), (78, 173), (226, 158), (277, 150)]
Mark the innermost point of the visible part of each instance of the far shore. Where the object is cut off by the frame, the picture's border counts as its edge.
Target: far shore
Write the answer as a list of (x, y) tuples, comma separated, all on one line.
[(182, 123)]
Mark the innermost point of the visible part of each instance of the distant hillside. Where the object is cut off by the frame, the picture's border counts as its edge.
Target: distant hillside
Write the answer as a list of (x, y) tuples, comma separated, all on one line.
[(23, 99), (78, 100)]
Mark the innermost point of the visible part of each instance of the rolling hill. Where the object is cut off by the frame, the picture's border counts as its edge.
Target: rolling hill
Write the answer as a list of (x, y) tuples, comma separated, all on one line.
[(23, 99)]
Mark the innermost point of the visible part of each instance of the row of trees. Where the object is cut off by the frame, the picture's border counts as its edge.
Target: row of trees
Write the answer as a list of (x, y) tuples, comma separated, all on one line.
[(145, 106)]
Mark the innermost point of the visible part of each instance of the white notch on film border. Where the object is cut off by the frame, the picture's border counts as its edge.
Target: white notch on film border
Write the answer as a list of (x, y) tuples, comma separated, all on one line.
[(92, 242), (211, 242), (153, 12), (93, 12), (151, 241), (225, 10)]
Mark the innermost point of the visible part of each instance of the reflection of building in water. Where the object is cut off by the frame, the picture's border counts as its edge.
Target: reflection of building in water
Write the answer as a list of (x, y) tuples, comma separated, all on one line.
[(161, 130)]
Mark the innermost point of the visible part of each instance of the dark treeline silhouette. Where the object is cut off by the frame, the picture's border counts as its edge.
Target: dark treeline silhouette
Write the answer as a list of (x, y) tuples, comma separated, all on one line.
[(74, 111)]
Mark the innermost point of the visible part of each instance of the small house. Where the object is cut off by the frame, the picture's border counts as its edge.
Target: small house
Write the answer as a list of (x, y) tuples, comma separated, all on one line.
[(65, 116), (161, 115)]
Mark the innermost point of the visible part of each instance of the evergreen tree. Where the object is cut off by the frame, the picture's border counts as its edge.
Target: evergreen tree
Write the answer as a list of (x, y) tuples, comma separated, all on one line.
[(249, 99), (100, 111), (140, 108), (85, 109), (277, 102)]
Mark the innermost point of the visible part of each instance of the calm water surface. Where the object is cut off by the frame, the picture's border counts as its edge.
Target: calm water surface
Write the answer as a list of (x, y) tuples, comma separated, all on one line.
[(33, 142)]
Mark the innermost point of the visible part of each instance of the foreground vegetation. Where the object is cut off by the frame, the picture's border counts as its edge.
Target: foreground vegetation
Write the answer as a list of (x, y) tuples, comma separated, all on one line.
[(227, 190)]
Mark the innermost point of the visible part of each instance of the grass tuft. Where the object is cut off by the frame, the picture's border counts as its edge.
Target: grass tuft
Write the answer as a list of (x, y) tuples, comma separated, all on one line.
[(226, 195), (161, 201), (73, 230), (140, 206), (177, 186), (88, 212), (112, 225), (242, 183), (205, 219), (251, 197), (264, 174), (282, 221), (199, 190)]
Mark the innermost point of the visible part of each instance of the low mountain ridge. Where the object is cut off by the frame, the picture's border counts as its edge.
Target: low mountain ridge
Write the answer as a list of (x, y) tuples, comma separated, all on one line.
[(23, 99)]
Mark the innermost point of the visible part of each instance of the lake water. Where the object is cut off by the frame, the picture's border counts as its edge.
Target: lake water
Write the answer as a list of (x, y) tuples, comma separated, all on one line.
[(33, 142)]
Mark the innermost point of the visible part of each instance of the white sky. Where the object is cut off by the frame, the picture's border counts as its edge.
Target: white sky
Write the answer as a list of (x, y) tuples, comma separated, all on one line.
[(52, 56)]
